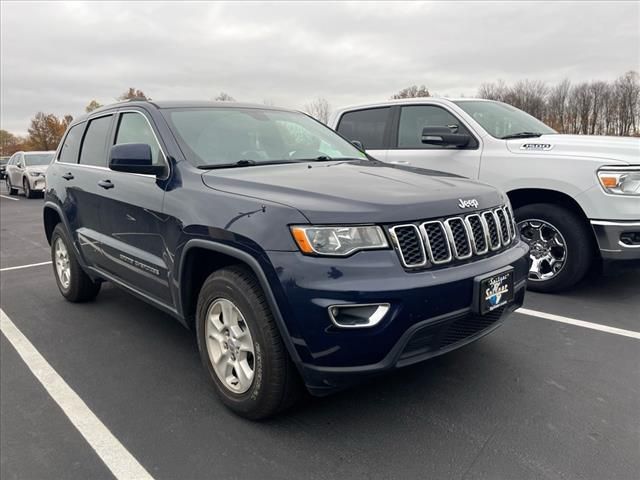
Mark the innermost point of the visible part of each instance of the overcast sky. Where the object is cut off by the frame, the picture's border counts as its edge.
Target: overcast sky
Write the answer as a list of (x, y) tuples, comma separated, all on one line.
[(58, 56)]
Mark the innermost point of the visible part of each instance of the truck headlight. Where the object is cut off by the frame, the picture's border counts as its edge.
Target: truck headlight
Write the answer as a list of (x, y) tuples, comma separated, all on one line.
[(339, 240), (620, 181)]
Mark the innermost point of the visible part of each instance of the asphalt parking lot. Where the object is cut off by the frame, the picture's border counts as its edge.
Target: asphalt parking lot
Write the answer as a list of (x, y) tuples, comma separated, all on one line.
[(535, 399)]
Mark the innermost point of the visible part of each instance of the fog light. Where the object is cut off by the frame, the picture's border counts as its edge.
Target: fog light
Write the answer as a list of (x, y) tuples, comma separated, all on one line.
[(358, 316), (630, 238)]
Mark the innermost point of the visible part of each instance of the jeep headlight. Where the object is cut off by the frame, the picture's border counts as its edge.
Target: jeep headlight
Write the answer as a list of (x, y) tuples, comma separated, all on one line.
[(339, 240), (620, 181)]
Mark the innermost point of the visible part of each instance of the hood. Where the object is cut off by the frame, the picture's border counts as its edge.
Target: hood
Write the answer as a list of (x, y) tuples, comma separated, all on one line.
[(37, 168), (623, 150), (355, 192)]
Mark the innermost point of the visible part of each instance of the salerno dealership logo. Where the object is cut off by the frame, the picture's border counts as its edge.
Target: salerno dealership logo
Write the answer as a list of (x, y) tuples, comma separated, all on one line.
[(536, 146), (497, 288), (471, 202)]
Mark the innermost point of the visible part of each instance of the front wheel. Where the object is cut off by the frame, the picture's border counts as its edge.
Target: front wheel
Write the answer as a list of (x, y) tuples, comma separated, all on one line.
[(561, 246), (26, 186), (241, 347)]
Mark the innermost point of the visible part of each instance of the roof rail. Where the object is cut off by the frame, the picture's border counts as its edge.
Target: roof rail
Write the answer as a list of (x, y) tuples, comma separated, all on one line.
[(137, 99)]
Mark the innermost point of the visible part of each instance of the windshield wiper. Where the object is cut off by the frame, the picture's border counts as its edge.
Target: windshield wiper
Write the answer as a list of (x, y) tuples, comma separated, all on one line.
[(521, 135), (239, 163)]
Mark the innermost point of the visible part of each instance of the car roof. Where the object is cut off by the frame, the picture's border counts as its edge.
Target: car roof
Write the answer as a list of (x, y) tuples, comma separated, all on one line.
[(401, 101), (169, 104)]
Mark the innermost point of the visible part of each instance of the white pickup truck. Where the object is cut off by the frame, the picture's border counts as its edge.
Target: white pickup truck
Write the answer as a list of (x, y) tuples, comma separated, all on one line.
[(576, 198)]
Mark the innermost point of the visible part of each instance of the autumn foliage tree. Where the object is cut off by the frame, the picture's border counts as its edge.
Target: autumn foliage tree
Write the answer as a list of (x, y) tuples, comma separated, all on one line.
[(92, 105), (46, 130), (10, 143), (413, 91), (133, 93)]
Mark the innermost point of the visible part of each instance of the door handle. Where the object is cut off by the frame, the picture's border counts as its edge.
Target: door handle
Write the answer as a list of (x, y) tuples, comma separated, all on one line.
[(106, 184), (68, 176)]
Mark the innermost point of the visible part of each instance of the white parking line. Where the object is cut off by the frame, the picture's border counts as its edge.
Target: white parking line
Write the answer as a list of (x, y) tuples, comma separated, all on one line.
[(6, 269), (115, 456), (580, 323), (9, 198)]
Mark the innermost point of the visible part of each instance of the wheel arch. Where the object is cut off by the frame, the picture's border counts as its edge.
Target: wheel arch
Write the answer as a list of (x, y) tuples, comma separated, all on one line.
[(525, 196), (202, 257), (51, 216)]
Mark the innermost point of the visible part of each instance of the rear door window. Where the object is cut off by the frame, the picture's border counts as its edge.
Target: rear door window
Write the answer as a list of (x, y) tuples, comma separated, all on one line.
[(414, 118), (94, 145), (366, 126), (71, 146)]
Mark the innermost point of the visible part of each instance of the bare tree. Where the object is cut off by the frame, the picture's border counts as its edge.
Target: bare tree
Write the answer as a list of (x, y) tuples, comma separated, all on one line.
[(132, 94), (92, 105), (413, 91), (494, 91), (557, 105), (224, 97), (319, 109)]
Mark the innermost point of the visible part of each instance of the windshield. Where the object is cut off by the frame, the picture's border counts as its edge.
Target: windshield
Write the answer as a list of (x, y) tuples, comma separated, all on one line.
[(33, 159), (501, 120), (248, 136)]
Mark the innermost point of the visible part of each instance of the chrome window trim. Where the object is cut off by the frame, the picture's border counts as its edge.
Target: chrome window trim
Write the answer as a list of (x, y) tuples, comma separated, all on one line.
[(472, 236), (452, 240), (394, 237), (492, 215), (427, 242)]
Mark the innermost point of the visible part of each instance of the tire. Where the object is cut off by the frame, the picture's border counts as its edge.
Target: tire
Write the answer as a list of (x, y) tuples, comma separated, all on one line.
[(275, 384), (78, 287), (574, 233), (26, 186), (12, 191)]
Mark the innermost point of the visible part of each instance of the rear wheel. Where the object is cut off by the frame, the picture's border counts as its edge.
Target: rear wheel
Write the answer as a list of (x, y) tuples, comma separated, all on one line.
[(12, 191), (561, 246), (74, 284), (241, 347)]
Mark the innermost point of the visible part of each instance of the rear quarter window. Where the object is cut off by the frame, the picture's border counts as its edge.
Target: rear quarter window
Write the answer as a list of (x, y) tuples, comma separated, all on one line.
[(366, 126)]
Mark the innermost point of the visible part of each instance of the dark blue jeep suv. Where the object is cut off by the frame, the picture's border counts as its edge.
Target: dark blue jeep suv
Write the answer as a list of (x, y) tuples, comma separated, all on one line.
[(295, 257)]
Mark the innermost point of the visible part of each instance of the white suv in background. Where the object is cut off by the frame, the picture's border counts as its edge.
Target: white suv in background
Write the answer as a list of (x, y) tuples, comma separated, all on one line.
[(576, 197), (26, 171)]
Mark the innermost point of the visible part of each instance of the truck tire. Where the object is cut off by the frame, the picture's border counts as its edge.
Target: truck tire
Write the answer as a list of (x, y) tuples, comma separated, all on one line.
[(240, 346), (74, 284), (12, 191), (561, 246)]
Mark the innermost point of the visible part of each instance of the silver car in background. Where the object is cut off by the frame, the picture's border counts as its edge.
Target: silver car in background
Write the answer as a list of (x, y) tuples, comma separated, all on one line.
[(26, 171)]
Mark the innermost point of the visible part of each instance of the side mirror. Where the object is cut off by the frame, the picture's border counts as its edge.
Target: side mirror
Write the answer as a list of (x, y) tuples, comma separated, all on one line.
[(357, 144), (444, 137), (133, 158)]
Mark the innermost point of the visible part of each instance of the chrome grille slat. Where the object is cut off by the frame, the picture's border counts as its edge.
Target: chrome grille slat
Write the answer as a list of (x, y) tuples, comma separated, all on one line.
[(437, 242), (410, 245), (458, 237), (479, 236)]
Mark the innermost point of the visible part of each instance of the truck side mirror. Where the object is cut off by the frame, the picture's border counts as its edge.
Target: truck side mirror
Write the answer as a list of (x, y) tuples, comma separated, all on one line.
[(443, 136)]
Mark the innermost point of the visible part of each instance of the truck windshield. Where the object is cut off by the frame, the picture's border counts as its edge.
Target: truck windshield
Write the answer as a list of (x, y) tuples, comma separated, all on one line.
[(33, 159), (221, 136), (504, 121)]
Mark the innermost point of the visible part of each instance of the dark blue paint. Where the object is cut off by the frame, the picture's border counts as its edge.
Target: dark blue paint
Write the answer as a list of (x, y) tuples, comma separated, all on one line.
[(139, 232)]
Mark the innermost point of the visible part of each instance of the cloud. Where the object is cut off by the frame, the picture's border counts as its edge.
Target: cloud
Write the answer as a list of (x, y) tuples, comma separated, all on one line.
[(68, 53)]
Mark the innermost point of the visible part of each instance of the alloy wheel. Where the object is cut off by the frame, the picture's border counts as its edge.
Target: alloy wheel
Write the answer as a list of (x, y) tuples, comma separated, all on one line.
[(548, 249), (230, 345), (63, 268)]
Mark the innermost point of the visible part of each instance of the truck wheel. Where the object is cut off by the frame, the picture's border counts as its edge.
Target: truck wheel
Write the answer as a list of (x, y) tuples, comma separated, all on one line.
[(241, 347), (73, 283), (12, 191), (27, 188), (561, 246)]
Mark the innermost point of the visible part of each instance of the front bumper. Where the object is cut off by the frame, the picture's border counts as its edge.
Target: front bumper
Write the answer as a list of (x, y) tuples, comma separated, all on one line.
[(430, 311), (615, 239)]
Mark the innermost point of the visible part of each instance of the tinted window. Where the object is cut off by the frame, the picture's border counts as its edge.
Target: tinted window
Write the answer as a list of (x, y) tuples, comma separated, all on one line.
[(414, 118), (71, 145), (95, 142), (366, 126), (134, 128)]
